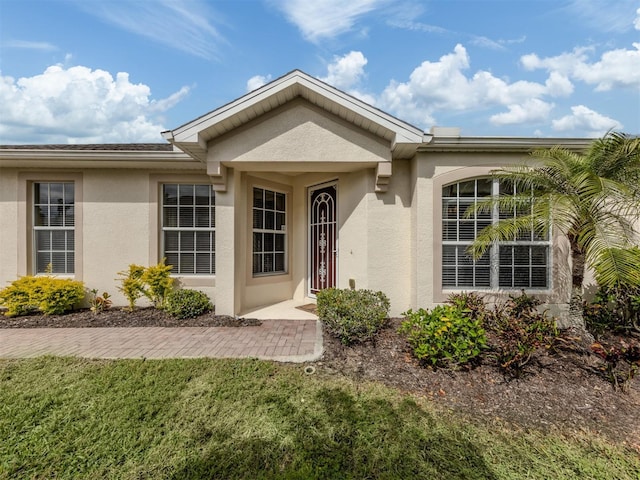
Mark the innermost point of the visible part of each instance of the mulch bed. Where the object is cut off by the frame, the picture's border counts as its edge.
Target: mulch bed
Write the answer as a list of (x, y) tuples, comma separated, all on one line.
[(119, 317), (562, 389)]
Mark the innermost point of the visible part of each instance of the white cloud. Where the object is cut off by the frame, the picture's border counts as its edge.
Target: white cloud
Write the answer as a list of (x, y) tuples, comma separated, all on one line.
[(603, 15), (186, 26), (80, 105), (616, 68), (30, 45), (636, 22), (257, 81), (347, 71), (583, 119), (444, 86), (328, 18), (531, 111)]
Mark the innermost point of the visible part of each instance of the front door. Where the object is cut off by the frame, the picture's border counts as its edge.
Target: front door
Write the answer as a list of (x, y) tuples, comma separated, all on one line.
[(323, 245)]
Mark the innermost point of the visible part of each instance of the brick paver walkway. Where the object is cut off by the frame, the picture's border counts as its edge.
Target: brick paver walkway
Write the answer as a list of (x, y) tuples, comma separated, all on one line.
[(281, 340)]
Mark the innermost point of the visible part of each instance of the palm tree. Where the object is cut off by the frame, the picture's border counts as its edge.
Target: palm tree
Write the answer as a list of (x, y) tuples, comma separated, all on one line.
[(593, 198)]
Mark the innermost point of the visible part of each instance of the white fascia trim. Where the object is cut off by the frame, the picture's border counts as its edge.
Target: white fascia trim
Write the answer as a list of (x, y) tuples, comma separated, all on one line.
[(96, 159), (405, 133), (502, 144)]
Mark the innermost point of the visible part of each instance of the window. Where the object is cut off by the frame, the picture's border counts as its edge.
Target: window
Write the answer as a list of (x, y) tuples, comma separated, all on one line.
[(188, 228), (269, 231), (520, 263), (54, 227)]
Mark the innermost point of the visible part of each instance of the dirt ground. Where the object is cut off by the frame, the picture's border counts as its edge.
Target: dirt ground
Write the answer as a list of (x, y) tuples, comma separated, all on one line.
[(562, 389)]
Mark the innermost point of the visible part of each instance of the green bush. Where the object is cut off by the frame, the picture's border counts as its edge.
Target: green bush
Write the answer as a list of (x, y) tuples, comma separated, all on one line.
[(46, 294), (153, 282), (131, 284), (157, 283), (614, 309), (352, 315), (187, 303), (447, 336)]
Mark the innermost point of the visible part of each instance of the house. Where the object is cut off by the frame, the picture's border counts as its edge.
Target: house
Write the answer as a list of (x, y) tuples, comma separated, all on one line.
[(292, 188)]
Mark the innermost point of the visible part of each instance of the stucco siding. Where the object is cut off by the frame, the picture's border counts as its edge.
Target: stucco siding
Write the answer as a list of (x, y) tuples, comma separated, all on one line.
[(298, 134), (389, 239), (8, 226), (115, 228)]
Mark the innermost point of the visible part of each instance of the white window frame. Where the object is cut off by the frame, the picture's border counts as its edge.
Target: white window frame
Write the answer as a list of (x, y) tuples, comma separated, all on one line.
[(493, 254), (211, 230), (273, 231), (66, 228)]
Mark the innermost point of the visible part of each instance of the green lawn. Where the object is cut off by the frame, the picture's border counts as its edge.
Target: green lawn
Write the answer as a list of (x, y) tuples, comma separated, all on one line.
[(175, 419)]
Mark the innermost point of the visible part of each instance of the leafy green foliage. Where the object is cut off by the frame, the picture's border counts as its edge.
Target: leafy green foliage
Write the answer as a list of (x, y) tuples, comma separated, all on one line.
[(616, 306), (131, 284), (157, 282), (352, 315), (519, 330), (153, 282), (590, 197), (447, 336), (47, 294), (99, 303), (187, 303)]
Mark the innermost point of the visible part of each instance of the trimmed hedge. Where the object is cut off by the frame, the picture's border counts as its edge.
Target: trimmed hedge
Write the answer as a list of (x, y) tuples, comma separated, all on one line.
[(187, 303), (49, 295), (352, 315)]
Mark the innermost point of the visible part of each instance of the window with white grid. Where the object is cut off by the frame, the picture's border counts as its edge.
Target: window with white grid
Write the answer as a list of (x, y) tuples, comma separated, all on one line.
[(269, 231), (520, 263), (54, 227), (188, 228)]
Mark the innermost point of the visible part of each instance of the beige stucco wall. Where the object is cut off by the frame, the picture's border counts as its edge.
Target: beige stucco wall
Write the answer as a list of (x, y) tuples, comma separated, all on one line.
[(302, 138), (389, 239), (8, 226), (117, 223)]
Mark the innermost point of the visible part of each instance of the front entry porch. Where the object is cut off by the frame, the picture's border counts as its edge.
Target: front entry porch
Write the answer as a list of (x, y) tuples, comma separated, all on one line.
[(285, 310)]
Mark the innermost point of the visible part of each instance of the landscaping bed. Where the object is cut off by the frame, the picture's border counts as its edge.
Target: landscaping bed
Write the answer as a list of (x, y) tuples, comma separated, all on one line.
[(563, 389)]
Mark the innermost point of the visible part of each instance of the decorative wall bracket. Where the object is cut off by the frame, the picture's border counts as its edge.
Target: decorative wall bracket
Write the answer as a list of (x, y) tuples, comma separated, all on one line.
[(218, 175), (383, 176)]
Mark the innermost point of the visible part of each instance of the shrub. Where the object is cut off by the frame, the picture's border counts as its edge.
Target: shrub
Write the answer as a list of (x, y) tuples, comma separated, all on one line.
[(470, 302), (99, 303), (614, 309), (153, 282), (616, 306), (187, 303), (352, 315), (157, 283), (47, 294), (131, 284), (520, 329), (446, 336), (621, 361)]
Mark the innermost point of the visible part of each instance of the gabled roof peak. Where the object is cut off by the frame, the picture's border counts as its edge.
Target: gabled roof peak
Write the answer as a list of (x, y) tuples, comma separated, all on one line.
[(193, 137)]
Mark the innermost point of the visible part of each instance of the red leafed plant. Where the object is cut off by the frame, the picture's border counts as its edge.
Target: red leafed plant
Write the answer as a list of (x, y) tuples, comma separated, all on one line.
[(621, 361)]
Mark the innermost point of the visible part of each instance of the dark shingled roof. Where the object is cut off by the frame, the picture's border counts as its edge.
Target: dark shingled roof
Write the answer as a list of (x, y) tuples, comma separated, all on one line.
[(124, 147)]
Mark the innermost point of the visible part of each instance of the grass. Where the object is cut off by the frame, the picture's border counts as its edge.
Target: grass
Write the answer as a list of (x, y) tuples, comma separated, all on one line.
[(181, 419)]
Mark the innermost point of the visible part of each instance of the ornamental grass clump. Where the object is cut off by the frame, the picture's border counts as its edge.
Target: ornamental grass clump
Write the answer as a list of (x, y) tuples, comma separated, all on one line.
[(187, 303), (352, 315), (49, 295)]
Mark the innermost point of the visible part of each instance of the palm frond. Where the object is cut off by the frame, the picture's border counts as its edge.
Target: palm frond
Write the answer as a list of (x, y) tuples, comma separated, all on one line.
[(617, 266)]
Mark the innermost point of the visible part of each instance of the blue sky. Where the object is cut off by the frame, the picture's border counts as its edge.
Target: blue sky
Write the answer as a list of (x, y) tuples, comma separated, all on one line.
[(87, 71)]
